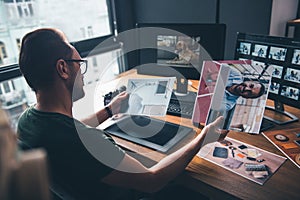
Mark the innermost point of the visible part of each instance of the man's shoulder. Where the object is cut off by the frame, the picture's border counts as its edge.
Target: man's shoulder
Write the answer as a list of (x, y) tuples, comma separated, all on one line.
[(235, 72), (33, 124), (32, 114), (51, 125), (25, 117)]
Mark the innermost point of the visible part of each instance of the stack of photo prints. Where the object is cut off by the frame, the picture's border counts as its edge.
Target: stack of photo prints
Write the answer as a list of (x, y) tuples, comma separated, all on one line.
[(238, 91), (243, 159)]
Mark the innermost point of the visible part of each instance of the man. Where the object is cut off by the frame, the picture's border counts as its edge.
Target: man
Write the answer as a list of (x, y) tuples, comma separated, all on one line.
[(54, 70), (235, 88)]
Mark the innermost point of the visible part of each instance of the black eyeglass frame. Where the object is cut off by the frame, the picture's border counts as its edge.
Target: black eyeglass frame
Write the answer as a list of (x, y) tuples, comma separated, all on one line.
[(79, 61)]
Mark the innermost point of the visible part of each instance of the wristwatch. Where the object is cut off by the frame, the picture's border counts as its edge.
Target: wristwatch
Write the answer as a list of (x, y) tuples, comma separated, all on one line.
[(108, 111)]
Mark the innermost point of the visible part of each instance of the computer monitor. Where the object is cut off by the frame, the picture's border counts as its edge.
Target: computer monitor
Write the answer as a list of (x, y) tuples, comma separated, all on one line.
[(178, 49), (284, 55)]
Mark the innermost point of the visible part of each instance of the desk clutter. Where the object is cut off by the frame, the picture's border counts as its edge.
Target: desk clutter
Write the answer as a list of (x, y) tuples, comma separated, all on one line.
[(243, 159)]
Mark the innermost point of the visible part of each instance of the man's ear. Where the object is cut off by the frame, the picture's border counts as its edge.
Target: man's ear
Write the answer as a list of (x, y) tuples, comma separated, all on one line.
[(62, 69)]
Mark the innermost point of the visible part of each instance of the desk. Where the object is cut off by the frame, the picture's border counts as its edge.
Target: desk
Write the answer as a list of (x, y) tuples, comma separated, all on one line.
[(218, 183)]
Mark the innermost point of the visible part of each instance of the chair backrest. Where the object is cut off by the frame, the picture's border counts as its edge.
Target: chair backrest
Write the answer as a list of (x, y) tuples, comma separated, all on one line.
[(7, 151), (23, 175)]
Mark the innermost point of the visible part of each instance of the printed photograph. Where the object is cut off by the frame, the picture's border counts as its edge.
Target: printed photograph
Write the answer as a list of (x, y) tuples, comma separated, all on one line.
[(208, 80), (245, 48), (277, 72), (292, 75), (149, 96), (243, 159), (277, 53), (260, 51), (274, 87), (240, 96), (178, 50), (296, 57), (285, 142), (290, 92), (209, 76)]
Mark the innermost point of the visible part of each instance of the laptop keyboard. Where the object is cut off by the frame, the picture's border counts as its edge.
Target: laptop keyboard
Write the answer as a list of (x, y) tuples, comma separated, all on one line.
[(182, 109)]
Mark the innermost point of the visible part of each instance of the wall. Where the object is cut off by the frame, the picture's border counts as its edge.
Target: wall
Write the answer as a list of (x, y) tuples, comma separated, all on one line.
[(193, 11), (253, 16), (282, 11), (250, 16)]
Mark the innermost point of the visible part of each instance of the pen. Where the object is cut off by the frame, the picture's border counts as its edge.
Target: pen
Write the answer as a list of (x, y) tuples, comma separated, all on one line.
[(232, 150)]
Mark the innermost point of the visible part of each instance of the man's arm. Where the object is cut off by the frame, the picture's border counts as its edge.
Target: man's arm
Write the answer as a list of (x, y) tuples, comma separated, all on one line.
[(114, 106), (132, 174)]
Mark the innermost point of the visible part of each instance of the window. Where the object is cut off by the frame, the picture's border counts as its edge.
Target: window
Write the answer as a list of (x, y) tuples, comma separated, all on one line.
[(15, 97), (20, 11), (112, 63), (85, 23), (79, 20), (2, 53), (90, 31), (95, 62), (18, 43), (30, 9), (6, 87)]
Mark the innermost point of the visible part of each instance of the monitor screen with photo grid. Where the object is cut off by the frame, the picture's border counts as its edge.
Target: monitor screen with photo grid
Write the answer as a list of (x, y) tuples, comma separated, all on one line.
[(284, 55)]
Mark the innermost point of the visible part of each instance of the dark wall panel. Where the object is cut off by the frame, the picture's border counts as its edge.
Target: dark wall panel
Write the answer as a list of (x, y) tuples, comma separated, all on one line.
[(171, 11), (251, 16), (125, 14)]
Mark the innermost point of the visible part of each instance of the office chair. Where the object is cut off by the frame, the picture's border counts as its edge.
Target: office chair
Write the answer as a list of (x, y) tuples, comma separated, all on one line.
[(23, 175)]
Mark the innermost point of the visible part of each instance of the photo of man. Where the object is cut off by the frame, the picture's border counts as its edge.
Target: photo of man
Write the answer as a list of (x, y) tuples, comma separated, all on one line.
[(237, 87), (240, 99)]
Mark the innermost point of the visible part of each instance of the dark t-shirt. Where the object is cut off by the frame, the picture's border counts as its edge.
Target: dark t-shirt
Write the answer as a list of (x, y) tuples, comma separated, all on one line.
[(79, 155)]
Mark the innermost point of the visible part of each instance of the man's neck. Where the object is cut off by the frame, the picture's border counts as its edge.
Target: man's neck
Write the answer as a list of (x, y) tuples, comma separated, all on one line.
[(59, 102)]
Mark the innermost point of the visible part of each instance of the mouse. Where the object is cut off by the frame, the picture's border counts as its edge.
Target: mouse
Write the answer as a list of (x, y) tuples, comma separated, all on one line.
[(141, 120)]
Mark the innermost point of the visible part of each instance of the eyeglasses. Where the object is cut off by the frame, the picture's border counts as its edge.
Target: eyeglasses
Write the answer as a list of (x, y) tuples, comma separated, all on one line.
[(83, 64)]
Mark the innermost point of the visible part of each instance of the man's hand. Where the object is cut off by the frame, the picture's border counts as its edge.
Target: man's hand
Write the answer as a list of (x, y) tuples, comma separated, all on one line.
[(213, 132), (119, 101)]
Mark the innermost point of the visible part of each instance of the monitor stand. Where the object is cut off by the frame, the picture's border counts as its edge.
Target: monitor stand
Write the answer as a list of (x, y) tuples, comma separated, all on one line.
[(278, 115)]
